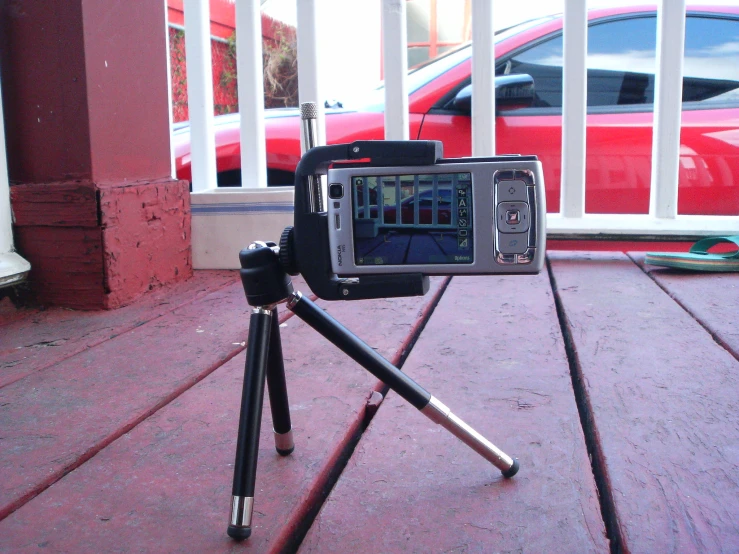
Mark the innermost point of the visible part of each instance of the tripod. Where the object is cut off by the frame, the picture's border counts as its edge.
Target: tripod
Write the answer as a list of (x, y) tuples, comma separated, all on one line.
[(266, 284)]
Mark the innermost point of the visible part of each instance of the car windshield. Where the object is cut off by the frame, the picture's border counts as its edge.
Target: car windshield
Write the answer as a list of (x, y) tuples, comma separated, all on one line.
[(426, 72)]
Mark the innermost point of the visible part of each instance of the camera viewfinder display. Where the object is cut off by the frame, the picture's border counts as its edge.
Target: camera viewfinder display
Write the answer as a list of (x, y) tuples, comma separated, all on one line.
[(413, 219)]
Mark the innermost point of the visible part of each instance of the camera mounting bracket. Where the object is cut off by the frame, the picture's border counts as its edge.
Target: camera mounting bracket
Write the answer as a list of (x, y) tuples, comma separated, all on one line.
[(304, 248)]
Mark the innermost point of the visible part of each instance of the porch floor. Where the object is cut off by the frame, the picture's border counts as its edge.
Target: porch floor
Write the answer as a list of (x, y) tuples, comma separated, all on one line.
[(615, 385)]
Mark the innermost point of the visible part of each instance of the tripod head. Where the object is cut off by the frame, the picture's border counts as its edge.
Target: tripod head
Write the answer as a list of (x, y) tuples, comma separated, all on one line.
[(305, 249)]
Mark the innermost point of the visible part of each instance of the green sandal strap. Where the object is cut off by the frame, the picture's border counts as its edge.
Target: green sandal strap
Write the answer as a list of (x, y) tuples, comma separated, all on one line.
[(703, 245)]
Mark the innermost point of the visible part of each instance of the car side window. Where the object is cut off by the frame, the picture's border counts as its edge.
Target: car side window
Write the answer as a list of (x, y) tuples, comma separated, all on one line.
[(544, 63), (711, 68), (622, 60)]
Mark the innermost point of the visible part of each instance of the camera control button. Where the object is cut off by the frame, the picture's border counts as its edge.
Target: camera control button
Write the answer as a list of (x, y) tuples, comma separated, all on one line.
[(505, 259), (511, 191), (532, 213), (513, 243), (513, 217), (336, 191), (526, 176), (527, 257)]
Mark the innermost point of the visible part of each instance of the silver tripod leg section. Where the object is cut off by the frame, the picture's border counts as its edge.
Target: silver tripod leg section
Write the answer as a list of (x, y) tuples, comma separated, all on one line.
[(284, 442), (439, 413), (242, 508)]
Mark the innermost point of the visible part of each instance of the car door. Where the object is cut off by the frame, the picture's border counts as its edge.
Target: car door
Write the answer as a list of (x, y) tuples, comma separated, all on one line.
[(621, 72)]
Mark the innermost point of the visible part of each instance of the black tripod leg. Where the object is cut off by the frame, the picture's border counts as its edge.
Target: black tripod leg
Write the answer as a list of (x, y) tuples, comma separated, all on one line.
[(247, 444), (277, 389), (398, 381)]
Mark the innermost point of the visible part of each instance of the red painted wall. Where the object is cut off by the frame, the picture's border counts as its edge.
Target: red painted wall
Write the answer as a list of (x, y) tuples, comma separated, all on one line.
[(70, 116), (223, 54), (225, 96), (222, 16)]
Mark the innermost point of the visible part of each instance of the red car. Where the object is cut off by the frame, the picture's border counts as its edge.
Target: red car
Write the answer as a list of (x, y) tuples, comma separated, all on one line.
[(621, 66)]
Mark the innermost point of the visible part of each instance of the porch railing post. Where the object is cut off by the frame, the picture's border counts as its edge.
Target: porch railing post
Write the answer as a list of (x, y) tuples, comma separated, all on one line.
[(395, 68), (668, 89), (574, 108), (483, 79), (251, 93), (309, 89), (200, 94)]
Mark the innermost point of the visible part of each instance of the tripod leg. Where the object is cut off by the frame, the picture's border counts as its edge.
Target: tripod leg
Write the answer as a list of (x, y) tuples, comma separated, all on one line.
[(277, 389), (398, 381), (247, 444)]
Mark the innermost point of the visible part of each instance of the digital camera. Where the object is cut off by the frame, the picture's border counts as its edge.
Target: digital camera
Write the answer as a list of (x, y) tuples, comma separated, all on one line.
[(397, 212)]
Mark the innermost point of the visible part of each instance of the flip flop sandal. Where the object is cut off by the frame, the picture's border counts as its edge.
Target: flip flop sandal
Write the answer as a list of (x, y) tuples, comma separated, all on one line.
[(699, 259)]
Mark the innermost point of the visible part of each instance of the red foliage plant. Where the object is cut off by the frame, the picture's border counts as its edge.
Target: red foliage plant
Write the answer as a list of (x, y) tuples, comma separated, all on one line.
[(280, 70)]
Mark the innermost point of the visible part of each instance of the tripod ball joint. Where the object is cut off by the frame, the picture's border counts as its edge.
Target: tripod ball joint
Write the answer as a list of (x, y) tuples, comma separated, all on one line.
[(264, 280)]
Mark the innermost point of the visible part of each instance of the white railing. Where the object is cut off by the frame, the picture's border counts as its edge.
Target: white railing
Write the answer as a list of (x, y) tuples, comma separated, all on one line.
[(574, 109), (571, 221), (198, 61), (395, 40), (13, 268), (483, 75), (662, 219)]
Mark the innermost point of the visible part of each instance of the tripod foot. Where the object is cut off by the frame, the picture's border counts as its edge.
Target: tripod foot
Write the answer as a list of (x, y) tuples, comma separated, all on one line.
[(238, 533), (239, 527), (284, 443), (514, 469)]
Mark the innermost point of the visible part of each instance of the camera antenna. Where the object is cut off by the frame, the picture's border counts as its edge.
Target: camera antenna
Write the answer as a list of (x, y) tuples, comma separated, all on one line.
[(309, 128)]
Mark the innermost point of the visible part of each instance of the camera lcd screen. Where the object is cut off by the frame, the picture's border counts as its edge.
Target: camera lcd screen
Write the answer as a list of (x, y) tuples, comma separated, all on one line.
[(412, 219)]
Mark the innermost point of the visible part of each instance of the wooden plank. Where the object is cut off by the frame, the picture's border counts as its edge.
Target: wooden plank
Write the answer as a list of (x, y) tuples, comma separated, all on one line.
[(42, 338), (492, 352), (58, 204), (662, 399), (54, 420), (66, 264), (166, 484), (711, 298)]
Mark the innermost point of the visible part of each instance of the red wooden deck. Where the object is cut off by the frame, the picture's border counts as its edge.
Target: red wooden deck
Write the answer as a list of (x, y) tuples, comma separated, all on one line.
[(616, 386)]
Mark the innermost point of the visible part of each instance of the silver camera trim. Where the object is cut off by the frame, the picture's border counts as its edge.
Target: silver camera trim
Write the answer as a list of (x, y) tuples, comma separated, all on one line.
[(487, 259)]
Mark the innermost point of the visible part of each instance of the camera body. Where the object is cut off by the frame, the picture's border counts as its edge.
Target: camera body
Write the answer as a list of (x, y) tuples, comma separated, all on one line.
[(467, 216), (345, 248)]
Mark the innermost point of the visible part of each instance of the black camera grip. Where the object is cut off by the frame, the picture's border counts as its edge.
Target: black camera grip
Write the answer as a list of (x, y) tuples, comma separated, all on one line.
[(309, 239)]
